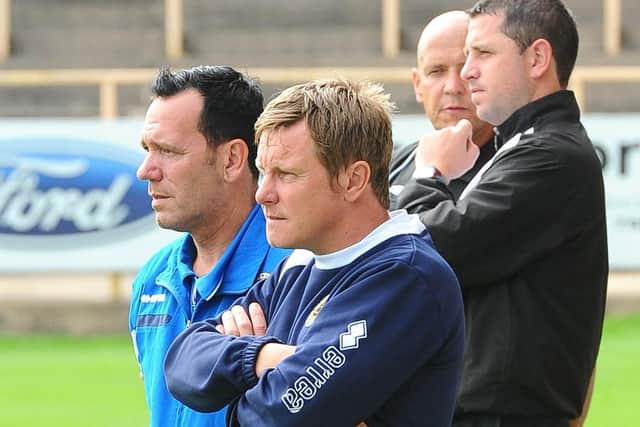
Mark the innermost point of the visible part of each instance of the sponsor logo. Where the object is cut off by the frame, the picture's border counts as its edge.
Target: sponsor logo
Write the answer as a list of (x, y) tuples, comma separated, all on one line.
[(355, 332), (314, 313), (307, 386), (68, 188), (151, 299)]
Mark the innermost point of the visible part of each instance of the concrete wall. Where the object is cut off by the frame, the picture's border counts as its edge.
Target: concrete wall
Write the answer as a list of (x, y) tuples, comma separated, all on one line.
[(92, 304)]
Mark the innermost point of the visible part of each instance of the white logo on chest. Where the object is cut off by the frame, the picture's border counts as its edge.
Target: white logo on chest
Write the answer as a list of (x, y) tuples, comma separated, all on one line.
[(150, 299)]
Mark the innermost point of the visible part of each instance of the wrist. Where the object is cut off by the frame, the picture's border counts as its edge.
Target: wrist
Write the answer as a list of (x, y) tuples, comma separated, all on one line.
[(270, 355), (430, 171), (250, 357)]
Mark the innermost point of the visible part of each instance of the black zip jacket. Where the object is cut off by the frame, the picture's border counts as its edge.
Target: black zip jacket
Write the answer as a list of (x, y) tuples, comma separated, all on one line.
[(403, 165), (528, 244)]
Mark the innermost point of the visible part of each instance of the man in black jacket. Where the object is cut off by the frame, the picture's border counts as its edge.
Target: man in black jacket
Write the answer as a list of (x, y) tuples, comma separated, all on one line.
[(527, 238), (444, 96)]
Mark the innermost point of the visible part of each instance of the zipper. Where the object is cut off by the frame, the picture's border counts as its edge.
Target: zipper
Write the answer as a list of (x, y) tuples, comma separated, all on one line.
[(194, 294)]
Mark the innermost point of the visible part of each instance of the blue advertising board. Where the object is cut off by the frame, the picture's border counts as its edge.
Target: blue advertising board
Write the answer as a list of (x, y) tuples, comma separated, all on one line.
[(70, 198)]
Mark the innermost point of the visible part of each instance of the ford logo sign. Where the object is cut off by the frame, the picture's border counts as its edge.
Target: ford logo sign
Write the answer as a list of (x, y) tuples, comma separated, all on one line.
[(69, 188)]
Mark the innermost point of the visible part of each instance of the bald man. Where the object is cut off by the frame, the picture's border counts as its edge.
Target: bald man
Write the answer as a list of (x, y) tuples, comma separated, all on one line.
[(444, 96)]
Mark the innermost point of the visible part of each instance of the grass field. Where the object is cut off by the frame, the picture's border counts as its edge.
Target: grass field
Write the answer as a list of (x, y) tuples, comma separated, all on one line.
[(93, 382), (71, 382), (617, 387)]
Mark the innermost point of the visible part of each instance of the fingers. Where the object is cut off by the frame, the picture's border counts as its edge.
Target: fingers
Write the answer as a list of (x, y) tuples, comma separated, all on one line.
[(473, 150), (229, 324), (427, 150), (258, 319), (242, 320), (465, 131), (463, 125), (450, 150), (236, 321)]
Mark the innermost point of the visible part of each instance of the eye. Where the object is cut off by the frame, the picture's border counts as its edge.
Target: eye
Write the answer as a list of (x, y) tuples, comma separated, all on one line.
[(287, 175), (166, 150)]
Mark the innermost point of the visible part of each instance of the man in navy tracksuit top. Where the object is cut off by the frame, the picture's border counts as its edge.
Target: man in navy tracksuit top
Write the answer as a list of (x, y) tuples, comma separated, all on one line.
[(364, 327)]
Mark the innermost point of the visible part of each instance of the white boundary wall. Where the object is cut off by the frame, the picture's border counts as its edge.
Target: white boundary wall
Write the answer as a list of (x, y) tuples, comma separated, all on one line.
[(66, 267)]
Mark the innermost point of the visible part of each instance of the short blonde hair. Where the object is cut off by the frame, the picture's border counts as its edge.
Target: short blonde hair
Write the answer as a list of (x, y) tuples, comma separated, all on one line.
[(348, 121)]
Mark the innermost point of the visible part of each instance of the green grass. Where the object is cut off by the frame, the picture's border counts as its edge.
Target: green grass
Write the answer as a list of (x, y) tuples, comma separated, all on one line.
[(72, 382), (617, 388), (59, 381)]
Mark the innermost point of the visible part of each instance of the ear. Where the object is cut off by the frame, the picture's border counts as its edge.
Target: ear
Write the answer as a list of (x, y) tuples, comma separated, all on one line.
[(415, 77), (540, 57), (354, 180), (235, 154)]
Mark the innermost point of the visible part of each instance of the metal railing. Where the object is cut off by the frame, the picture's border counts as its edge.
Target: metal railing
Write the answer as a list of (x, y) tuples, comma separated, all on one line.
[(581, 76), (108, 80), (5, 29), (612, 26)]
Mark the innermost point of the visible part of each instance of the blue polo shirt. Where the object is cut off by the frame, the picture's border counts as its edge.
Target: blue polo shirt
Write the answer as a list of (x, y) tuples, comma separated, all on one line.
[(167, 297)]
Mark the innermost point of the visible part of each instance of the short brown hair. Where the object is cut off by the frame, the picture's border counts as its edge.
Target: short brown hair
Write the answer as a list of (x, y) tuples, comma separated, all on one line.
[(528, 20), (348, 121)]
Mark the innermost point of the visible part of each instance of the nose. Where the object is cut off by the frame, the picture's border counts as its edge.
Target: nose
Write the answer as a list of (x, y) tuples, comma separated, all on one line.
[(148, 170), (266, 194), (454, 83), (469, 71)]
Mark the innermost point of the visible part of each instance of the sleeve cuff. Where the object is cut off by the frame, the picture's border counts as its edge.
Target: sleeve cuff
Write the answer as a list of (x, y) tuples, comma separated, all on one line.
[(430, 172), (249, 357)]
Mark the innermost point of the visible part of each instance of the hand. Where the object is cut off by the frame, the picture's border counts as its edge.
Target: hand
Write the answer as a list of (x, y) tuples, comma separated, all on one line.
[(236, 321), (270, 355), (451, 150)]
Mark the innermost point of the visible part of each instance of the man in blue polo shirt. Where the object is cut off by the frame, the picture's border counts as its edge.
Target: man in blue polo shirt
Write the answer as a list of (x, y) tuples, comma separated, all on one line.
[(199, 138)]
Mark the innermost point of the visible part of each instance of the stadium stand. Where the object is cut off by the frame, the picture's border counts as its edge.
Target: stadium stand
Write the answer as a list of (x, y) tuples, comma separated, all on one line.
[(258, 34)]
